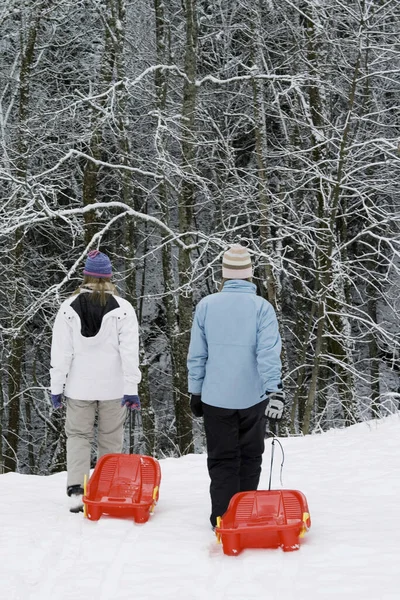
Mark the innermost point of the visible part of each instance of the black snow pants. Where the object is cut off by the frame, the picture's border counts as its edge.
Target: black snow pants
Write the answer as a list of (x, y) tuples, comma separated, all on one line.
[(235, 445)]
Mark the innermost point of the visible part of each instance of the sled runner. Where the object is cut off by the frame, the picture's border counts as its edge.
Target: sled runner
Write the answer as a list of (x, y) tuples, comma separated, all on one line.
[(123, 485), (264, 519)]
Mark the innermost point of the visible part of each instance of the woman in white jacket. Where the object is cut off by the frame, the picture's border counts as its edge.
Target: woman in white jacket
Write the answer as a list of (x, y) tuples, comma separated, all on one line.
[(95, 366)]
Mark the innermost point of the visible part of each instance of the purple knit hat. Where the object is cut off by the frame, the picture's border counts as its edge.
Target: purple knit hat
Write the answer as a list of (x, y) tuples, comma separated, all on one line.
[(97, 265)]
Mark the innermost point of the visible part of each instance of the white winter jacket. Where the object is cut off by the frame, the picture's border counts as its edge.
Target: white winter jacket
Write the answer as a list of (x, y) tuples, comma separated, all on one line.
[(102, 367)]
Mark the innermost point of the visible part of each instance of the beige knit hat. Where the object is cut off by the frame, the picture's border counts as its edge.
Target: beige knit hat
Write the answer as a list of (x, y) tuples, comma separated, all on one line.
[(236, 263)]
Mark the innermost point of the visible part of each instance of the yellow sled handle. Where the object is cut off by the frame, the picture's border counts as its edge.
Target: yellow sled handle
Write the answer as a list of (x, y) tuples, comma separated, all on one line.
[(155, 494), (84, 493), (304, 528), (218, 535)]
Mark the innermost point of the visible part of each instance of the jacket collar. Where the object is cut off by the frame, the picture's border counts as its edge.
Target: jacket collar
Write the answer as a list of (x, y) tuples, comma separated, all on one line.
[(239, 285)]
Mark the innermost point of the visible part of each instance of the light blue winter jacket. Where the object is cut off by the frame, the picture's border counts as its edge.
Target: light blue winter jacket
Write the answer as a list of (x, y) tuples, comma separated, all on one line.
[(235, 346)]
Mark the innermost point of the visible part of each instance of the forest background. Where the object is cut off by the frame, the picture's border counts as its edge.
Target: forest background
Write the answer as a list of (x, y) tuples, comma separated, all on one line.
[(163, 131)]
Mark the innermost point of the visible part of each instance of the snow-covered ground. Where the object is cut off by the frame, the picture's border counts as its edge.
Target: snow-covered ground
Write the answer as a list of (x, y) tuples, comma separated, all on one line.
[(351, 479)]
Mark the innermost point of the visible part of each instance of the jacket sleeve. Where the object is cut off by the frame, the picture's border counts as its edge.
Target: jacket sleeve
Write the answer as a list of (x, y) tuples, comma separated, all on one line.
[(269, 348), (198, 352), (128, 338), (61, 352)]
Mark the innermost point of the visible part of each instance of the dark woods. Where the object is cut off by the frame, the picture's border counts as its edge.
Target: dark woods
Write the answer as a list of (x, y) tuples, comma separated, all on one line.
[(162, 132)]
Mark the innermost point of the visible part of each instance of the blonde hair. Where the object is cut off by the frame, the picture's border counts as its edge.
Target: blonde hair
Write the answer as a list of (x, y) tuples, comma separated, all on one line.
[(100, 288)]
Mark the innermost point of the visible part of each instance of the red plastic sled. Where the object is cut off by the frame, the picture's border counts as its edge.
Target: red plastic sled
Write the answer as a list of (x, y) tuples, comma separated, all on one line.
[(123, 485), (264, 519)]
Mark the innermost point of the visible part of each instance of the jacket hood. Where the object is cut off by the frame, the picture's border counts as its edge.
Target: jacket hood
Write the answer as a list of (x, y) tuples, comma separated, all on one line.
[(239, 285), (91, 313)]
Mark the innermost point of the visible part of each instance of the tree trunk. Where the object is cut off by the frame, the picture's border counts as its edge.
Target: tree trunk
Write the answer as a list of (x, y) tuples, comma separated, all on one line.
[(186, 200), (328, 309), (17, 343), (114, 9)]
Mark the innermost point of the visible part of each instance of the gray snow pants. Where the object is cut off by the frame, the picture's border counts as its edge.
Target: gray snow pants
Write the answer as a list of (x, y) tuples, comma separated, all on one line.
[(79, 428)]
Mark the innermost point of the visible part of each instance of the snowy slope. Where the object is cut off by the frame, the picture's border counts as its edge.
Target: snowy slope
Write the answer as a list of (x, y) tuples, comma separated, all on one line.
[(351, 479)]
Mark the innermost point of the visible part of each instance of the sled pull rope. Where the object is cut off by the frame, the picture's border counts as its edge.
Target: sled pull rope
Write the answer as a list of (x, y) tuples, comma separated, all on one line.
[(272, 461), (134, 426)]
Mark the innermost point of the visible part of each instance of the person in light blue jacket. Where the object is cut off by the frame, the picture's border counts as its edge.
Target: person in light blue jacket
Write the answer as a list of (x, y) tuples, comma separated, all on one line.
[(235, 378)]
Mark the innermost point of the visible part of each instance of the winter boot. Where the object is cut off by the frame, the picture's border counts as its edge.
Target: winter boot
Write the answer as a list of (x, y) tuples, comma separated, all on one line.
[(75, 492)]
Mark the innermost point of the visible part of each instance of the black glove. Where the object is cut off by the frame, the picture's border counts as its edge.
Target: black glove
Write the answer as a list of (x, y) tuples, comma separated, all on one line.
[(196, 405), (275, 406)]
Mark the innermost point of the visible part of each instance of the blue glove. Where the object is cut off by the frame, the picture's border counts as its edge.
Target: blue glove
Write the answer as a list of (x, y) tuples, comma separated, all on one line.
[(275, 406), (56, 400), (131, 402)]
